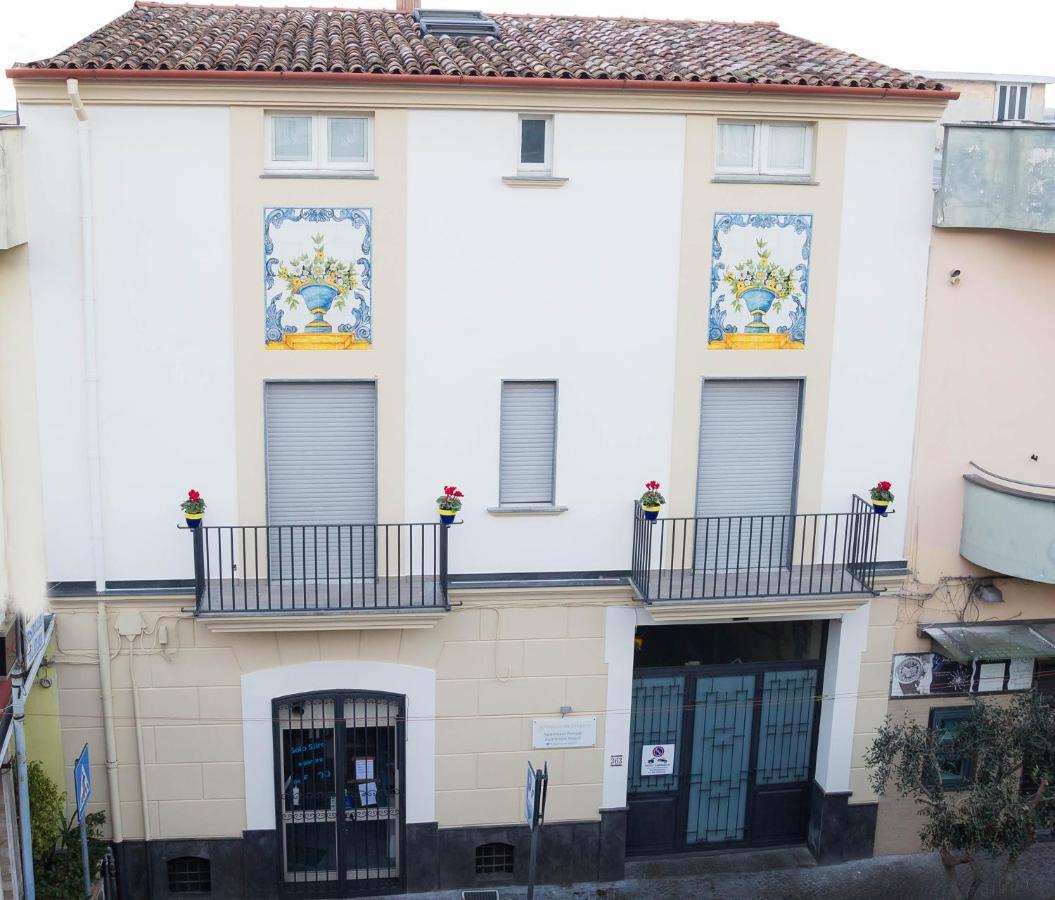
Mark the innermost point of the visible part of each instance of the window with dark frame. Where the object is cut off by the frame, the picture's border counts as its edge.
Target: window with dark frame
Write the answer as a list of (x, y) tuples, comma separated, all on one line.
[(494, 859), (955, 768), (189, 875)]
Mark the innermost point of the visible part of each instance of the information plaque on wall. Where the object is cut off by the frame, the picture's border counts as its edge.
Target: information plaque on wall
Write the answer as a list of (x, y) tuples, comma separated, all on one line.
[(578, 731)]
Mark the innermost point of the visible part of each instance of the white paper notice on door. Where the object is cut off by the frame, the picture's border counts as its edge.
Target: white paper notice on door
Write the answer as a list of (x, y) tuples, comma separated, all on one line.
[(368, 794), (364, 768), (657, 759)]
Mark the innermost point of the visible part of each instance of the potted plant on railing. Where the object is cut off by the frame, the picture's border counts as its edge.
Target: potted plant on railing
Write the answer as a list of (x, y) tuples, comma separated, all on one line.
[(881, 497), (449, 503), (193, 508), (652, 500)]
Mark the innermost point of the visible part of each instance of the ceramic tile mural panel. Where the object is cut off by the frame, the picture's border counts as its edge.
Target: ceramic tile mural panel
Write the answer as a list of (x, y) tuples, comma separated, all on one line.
[(760, 272), (317, 274)]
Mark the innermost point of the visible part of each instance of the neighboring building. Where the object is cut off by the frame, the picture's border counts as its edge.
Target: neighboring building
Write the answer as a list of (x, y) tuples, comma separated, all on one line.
[(338, 259), (26, 648), (978, 615)]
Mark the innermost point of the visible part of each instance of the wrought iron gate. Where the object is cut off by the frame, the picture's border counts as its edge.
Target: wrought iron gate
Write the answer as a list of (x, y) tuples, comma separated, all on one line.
[(340, 777), (745, 741)]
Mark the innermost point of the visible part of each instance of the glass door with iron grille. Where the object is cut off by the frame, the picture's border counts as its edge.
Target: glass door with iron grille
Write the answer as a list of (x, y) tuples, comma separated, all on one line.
[(340, 782), (743, 741)]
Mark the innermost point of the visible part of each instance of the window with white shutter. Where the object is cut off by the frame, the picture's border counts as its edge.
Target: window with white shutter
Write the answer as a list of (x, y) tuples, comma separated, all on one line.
[(749, 436), (321, 460), (528, 443)]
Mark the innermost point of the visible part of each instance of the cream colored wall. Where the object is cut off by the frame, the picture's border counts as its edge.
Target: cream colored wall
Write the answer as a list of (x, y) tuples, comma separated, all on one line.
[(384, 361), (695, 360), (23, 513), (501, 658), (985, 362)]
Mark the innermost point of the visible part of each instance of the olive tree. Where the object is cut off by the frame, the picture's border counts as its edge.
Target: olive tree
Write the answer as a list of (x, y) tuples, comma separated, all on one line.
[(1007, 751)]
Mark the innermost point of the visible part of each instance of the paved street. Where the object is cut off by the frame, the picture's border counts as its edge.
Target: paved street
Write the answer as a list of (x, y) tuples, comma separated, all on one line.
[(787, 875)]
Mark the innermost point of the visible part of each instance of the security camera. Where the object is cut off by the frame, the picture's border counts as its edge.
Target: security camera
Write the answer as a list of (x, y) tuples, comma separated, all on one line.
[(954, 276)]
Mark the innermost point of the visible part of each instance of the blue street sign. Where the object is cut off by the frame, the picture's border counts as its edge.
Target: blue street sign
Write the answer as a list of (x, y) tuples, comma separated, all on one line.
[(82, 781)]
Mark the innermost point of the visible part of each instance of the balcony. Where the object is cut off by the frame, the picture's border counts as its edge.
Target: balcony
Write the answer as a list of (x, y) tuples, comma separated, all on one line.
[(1008, 526), (284, 577), (998, 176), (760, 565)]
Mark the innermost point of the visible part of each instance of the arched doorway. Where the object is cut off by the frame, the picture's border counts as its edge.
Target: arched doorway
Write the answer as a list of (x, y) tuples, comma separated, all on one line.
[(340, 782)]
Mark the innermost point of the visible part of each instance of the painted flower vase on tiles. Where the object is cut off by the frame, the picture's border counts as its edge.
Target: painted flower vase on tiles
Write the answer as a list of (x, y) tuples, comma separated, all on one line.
[(318, 298), (758, 300)]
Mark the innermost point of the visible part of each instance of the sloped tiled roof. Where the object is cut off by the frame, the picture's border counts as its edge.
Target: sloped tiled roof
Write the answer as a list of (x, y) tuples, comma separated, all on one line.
[(153, 37)]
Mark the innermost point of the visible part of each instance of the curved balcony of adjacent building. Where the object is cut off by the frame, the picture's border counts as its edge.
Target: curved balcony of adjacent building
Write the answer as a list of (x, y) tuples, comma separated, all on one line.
[(1009, 526)]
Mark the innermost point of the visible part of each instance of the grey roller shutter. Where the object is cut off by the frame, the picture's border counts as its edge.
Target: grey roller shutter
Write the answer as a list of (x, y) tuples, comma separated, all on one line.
[(528, 442), (321, 440), (748, 451)]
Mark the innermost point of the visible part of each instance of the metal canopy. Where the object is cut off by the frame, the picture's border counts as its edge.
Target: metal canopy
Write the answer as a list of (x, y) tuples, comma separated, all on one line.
[(997, 641)]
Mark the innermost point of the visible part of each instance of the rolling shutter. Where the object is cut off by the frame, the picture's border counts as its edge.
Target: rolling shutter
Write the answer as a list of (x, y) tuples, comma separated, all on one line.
[(321, 448), (528, 442), (748, 453)]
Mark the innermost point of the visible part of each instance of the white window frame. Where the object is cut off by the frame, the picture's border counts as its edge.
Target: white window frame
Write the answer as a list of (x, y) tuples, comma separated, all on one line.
[(320, 129), (758, 168), (1019, 88), (546, 166)]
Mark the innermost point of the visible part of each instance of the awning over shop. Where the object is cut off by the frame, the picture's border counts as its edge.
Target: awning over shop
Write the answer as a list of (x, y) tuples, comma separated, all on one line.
[(1012, 640)]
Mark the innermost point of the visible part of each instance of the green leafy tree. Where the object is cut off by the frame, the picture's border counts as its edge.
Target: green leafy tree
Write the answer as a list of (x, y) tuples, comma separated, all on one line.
[(1007, 796), (56, 840)]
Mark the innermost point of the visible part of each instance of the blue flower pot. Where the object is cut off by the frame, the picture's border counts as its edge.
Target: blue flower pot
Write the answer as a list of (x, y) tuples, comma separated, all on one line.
[(447, 516), (651, 514), (318, 298), (758, 301)]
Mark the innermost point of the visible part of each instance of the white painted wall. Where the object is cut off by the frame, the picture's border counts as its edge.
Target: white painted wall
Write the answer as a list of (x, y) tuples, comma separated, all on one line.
[(847, 639), (418, 685), (577, 284), (883, 246), (163, 290)]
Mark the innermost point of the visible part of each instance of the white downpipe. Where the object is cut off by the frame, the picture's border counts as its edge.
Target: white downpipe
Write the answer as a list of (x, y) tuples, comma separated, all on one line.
[(91, 370), (137, 715), (103, 640)]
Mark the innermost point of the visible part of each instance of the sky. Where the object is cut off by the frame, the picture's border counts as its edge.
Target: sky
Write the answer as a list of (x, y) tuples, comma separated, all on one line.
[(1013, 37)]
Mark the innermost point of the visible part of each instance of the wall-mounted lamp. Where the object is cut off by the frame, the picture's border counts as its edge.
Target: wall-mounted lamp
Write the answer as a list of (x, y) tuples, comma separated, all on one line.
[(954, 276)]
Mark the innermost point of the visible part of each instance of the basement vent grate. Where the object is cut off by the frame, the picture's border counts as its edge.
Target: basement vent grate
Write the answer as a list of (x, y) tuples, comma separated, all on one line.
[(455, 23), (480, 895)]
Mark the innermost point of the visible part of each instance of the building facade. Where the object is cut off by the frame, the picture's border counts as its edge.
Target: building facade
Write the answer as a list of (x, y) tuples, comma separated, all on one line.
[(317, 293), (975, 617)]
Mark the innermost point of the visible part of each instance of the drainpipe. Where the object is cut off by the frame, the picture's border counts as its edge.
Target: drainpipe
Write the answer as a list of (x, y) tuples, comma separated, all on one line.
[(91, 372), (103, 640), (25, 827)]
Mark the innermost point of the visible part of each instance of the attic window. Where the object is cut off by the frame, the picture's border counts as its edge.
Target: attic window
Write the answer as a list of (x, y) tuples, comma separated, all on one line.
[(455, 23)]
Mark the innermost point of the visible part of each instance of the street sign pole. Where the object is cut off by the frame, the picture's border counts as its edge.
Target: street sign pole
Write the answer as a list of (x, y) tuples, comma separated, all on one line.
[(82, 782), (535, 800)]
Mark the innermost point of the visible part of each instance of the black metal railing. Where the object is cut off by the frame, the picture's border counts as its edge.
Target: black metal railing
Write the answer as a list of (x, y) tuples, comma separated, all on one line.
[(741, 557), (320, 568)]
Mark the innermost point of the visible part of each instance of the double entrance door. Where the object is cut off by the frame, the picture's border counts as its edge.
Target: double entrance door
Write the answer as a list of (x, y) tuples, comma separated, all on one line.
[(737, 745), (339, 763)]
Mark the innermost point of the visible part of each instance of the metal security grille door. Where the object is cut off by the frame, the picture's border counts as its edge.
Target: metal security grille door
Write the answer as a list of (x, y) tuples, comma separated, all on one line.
[(528, 442), (321, 444), (749, 432), (744, 739), (340, 783), (719, 778)]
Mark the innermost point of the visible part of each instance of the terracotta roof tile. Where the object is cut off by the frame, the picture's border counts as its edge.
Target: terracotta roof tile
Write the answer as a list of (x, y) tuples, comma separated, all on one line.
[(153, 36)]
